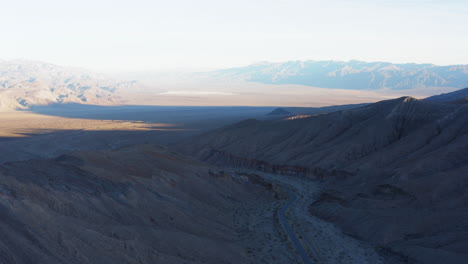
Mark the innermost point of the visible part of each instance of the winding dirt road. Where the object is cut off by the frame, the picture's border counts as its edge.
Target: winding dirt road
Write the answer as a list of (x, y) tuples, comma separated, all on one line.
[(281, 213)]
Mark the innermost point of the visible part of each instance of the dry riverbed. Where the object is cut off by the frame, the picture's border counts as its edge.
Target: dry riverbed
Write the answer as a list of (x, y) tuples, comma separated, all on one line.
[(324, 242)]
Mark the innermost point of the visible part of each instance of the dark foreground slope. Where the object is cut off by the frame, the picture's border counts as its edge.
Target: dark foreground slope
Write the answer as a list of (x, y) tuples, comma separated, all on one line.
[(396, 172), (453, 97), (135, 205)]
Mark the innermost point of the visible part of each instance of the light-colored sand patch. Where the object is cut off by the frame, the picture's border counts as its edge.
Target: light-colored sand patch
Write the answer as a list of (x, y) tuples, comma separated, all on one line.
[(21, 124)]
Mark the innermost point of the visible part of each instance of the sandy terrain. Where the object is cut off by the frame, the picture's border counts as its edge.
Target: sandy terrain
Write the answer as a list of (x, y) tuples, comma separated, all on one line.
[(51, 131), (27, 135), (193, 92), (20, 124)]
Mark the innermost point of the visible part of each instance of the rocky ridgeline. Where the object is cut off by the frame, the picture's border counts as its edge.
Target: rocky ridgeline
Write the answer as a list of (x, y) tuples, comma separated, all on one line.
[(225, 159), (394, 172), (27, 83)]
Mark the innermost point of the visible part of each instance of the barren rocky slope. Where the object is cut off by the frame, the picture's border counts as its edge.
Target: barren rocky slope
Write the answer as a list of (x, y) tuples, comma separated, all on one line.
[(141, 204), (396, 171)]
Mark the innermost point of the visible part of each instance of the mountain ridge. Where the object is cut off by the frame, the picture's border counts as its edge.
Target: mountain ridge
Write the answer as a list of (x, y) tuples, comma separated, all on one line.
[(312, 110), (26, 83), (458, 95), (384, 166), (354, 75)]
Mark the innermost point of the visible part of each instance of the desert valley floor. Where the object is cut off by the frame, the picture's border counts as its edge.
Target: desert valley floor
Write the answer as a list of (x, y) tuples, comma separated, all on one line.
[(137, 184)]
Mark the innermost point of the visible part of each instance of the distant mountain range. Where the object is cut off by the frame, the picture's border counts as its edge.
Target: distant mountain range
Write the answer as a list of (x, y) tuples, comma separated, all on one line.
[(355, 75), (26, 83)]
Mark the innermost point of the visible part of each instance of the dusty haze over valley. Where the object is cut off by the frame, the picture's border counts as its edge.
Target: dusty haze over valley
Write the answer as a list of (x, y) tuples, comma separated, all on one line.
[(232, 132)]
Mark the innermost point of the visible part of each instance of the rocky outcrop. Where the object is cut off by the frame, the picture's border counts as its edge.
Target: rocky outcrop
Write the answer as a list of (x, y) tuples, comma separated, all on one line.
[(223, 158), (279, 111)]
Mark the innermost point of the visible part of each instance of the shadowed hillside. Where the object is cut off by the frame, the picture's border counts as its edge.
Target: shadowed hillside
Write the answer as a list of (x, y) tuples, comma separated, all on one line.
[(136, 205), (312, 110), (457, 96), (395, 171)]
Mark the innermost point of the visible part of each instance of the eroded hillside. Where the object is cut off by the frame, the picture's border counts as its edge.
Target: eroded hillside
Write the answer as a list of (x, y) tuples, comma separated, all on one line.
[(140, 204), (395, 171)]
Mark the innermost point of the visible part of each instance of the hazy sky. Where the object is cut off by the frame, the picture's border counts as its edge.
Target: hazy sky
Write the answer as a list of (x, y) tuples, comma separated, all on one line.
[(152, 35)]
